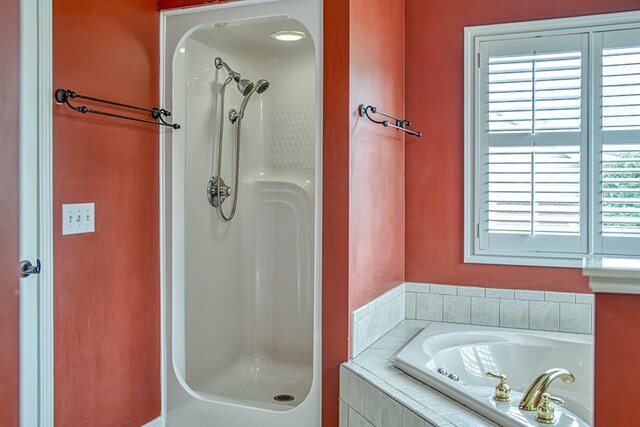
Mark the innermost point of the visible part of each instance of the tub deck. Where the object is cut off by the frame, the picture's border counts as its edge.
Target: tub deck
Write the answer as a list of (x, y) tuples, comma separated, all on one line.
[(373, 369)]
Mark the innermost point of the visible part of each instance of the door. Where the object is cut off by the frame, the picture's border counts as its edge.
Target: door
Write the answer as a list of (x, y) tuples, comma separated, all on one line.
[(36, 284)]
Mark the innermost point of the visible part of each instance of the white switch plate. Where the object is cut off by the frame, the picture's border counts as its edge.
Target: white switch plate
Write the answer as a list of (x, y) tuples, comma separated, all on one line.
[(78, 218)]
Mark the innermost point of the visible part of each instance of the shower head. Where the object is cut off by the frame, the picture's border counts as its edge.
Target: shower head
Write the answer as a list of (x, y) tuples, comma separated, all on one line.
[(261, 86), (245, 86)]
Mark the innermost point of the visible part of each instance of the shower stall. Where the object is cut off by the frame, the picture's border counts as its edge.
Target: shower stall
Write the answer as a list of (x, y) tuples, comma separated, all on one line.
[(240, 214)]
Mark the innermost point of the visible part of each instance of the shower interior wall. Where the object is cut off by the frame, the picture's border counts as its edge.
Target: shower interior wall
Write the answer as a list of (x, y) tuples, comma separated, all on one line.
[(240, 306)]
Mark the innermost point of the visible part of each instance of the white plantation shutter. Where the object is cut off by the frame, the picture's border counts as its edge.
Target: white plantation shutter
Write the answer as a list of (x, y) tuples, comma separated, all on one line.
[(552, 140), (531, 145), (617, 142)]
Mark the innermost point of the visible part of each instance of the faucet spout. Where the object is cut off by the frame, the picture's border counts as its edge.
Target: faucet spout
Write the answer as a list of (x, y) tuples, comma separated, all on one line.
[(531, 398)]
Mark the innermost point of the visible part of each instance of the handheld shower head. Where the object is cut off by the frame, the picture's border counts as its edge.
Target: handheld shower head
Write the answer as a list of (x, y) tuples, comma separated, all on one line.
[(260, 87), (244, 86)]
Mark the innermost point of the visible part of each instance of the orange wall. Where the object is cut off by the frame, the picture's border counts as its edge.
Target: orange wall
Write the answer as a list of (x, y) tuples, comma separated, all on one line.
[(434, 163), (9, 123), (107, 301), (171, 4), (617, 356), (335, 205), (376, 183)]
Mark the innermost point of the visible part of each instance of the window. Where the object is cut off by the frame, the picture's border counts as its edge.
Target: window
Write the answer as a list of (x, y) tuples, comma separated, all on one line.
[(552, 140)]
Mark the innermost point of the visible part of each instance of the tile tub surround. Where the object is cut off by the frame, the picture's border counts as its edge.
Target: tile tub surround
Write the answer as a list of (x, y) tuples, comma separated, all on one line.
[(508, 308), (373, 320), (373, 393)]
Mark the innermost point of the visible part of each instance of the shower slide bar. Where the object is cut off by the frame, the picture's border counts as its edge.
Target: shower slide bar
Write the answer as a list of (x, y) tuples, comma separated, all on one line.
[(63, 95), (399, 123)]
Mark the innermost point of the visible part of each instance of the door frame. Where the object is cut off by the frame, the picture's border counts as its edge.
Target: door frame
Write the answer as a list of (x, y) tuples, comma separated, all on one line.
[(36, 213)]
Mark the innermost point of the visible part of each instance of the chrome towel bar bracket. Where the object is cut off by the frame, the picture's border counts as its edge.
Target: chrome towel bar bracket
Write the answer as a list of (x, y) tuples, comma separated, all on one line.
[(399, 123), (63, 95)]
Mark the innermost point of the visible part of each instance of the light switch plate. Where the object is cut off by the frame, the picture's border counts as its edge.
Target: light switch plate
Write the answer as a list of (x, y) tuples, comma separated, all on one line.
[(78, 218)]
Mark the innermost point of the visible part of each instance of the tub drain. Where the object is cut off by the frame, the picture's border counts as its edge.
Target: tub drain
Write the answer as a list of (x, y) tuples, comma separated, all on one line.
[(283, 398)]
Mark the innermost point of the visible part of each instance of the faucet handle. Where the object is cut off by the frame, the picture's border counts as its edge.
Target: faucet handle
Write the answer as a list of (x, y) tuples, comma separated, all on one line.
[(546, 411), (503, 391)]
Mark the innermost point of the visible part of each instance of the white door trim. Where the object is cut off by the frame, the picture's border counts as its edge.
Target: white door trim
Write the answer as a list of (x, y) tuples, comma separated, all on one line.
[(36, 157)]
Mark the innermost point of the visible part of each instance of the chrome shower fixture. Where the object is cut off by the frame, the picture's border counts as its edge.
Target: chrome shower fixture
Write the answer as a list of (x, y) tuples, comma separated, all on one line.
[(244, 86), (261, 86)]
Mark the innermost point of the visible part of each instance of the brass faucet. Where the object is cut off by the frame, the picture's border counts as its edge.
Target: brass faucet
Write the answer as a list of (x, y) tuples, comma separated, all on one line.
[(531, 398)]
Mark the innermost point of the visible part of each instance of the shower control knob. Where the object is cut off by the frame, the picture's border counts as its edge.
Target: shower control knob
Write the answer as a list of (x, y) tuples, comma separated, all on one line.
[(217, 191)]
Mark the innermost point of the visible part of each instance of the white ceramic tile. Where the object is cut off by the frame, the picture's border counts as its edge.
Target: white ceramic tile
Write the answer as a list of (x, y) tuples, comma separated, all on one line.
[(585, 298), (387, 371), (389, 342), (530, 295), (593, 319), (399, 381), (398, 290), (379, 354), (457, 309), (391, 412), (468, 419), (575, 318), (420, 391), (360, 313), (344, 383), (443, 289), (432, 417), (471, 291), (410, 305), (410, 419), (372, 404), (499, 293), (544, 316), (485, 311), (407, 401), (514, 313), (417, 287), (356, 392), (343, 420), (429, 307), (359, 336), (355, 419), (443, 405), (559, 297)]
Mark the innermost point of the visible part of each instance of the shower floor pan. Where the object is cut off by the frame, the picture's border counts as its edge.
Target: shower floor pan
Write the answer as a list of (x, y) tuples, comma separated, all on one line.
[(265, 384)]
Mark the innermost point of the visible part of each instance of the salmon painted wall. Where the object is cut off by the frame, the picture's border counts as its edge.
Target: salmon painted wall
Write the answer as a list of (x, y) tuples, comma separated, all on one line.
[(107, 288), (9, 143), (173, 4), (335, 204), (617, 356), (376, 184), (434, 163)]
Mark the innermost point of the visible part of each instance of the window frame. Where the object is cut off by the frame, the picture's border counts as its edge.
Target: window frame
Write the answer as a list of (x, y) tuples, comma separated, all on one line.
[(473, 36)]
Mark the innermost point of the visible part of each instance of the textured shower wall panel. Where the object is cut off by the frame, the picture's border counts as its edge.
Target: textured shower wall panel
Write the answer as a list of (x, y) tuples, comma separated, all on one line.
[(283, 247), (293, 114), (212, 280)]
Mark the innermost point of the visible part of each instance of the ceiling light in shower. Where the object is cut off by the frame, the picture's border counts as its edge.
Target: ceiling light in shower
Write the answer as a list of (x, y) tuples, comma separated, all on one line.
[(288, 36)]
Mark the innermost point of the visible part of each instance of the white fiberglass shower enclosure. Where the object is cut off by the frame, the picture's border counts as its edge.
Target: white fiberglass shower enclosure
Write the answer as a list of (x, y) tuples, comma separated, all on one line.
[(241, 296)]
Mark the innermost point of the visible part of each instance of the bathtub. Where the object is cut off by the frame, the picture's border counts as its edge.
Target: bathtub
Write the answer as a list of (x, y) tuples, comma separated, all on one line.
[(468, 351)]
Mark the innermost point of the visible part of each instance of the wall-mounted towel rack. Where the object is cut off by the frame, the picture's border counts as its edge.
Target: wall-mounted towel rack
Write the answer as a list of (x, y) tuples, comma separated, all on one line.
[(158, 114), (399, 123)]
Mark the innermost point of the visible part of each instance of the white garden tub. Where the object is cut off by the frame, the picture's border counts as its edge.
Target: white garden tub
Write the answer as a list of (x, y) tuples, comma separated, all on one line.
[(469, 351)]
